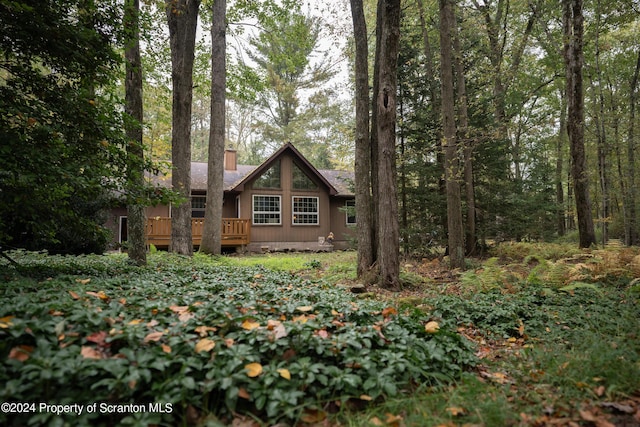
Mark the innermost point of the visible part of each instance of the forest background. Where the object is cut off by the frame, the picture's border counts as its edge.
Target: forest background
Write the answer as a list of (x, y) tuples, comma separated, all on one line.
[(286, 82)]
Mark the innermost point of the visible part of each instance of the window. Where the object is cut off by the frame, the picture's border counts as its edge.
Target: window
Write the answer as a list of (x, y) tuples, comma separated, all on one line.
[(350, 210), (301, 181), (197, 206), (266, 210), (305, 210), (270, 178)]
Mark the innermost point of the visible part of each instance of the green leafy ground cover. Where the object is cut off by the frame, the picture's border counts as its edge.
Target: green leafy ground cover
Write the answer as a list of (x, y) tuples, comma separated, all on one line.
[(201, 342), (534, 335)]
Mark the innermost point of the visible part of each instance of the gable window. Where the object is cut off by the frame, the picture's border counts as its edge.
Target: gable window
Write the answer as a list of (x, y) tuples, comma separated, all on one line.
[(267, 210), (197, 206), (301, 180), (305, 210), (350, 210), (270, 178)]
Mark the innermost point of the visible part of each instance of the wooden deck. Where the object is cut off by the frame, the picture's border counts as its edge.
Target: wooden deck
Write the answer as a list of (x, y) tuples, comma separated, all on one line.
[(235, 231)]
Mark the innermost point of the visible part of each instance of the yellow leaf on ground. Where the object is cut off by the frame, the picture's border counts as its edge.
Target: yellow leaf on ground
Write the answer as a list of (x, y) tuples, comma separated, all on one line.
[(83, 281), (305, 308), (74, 295), (205, 344), (250, 325), (366, 397), (166, 348), (454, 411), (253, 369), (203, 331), (284, 373), (5, 322), (153, 336), (135, 322), (431, 327)]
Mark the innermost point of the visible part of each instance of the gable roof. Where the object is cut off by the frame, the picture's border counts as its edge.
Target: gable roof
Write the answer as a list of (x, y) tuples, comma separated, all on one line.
[(339, 183), (267, 164)]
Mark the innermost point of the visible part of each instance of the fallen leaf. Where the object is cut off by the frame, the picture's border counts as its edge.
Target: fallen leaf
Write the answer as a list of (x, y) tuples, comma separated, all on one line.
[(366, 397), (454, 411), (205, 344), (83, 281), (166, 348), (300, 319), (393, 420), (253, 369), (153, 336), (389, 311), (5, 322), (90, 353), (376, 421), (313, 416), (135, 322), (229, 342), (21, 353), (74, 295), (100, 294), (431, 327), (250, 325), (98, 337), (284, 373), (56, 313), (203, 331), (243, 393), (305, 308)]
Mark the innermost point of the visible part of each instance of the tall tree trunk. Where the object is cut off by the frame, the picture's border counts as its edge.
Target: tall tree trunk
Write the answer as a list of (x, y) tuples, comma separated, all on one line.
[(601, 136), (560, 143), (573, 26), (182, 17), (386, 101), (212, 231), (364, 222), (471, 240), (435, 101), (136, 237), (632, 234), (452, 167)]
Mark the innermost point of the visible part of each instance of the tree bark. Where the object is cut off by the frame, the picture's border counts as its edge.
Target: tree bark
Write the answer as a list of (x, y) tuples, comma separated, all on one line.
[(136, 238), (364, 223), (182, 17), (212, 232), (386, 101), (573, 27), (632, 235), (452, 167), (560, 144), (471, 240)]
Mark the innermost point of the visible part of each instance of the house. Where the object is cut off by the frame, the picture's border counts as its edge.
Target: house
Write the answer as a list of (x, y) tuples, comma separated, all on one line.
[(283, 204)]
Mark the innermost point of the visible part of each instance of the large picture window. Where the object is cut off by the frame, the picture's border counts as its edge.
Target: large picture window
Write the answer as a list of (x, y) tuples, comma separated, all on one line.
[(301, 181), (305, 210), (267, 210), (270, 178)]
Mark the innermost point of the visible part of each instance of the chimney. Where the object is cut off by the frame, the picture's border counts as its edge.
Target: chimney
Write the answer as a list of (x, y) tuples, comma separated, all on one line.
[(230, 160)]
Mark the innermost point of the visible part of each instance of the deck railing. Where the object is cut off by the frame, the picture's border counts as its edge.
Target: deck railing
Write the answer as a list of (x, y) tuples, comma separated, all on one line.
[(235, 231)]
